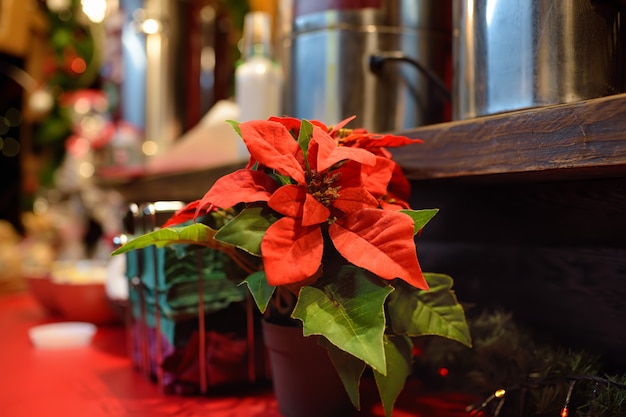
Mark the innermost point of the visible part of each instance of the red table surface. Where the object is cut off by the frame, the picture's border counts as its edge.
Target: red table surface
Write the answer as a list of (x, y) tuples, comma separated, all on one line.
[(99, 380)]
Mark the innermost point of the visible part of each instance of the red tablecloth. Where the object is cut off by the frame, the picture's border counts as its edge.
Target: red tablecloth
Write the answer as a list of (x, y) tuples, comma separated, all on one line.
[(99, 381)]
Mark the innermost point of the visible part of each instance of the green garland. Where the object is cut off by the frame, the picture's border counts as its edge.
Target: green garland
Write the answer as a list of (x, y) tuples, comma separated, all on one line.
[(72, 63), (520, 376)]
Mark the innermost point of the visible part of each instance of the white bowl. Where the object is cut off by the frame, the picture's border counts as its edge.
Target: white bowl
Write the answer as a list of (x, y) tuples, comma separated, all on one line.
[(62, 335)]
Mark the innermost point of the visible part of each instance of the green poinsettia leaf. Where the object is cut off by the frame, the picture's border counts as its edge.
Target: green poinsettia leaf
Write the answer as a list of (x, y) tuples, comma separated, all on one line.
[(421, 217), (304, 137), (435, 311), (235, 125), (247, 229), (398, 354), (349, 368), (259, 288), (194, 234), (349, 312), (281, 179)]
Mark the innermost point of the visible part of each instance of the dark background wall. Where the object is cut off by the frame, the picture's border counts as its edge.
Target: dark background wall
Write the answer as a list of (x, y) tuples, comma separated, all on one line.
[(551, 253), (10, 172)]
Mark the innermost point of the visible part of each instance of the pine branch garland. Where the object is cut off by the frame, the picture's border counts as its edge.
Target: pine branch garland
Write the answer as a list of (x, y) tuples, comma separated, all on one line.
[(520, 376)]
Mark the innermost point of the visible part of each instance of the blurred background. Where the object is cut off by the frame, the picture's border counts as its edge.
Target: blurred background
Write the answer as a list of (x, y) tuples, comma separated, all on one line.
[(105, 103), (99, 93), (113, 115), (91, 89)]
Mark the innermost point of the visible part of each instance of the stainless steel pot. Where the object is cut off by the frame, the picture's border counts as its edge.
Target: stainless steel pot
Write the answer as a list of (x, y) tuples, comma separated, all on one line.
[(345, 58), (516, 54)]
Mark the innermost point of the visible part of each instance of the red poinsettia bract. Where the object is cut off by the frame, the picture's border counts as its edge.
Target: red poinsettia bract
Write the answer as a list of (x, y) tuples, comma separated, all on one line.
[(395, 194), (331, 191)]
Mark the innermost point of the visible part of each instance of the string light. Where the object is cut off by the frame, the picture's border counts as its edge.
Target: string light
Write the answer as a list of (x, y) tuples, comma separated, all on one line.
[(493, 405), (594, 396), (479, 411), (565, 409)]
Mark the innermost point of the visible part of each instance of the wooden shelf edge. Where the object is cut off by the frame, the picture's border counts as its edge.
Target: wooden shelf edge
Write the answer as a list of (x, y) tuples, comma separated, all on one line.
[(176, 186), (587, 137), (580, 140)]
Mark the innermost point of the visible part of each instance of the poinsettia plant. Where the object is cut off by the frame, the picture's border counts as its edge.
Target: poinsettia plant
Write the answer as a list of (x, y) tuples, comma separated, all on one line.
[(320, 215)]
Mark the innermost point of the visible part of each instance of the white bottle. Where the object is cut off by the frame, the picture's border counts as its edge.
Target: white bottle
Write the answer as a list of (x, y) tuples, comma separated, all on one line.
[(258, 80)]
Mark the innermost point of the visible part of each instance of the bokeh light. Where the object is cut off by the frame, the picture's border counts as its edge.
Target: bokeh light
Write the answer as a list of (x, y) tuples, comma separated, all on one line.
[(86, 169), (9, 147), (149, 148), (78, 65), (95, 10), (4, 125), (151, 26), (13, 117)]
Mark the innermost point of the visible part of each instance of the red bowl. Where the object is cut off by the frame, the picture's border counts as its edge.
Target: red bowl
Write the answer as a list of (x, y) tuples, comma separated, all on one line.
[(85, 302), (42, 289)]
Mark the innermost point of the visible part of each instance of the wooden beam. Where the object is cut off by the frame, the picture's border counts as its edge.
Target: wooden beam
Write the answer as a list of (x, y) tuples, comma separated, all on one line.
[(583, 139)]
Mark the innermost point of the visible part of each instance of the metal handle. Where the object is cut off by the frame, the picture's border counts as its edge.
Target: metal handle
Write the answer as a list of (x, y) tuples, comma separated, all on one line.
[(377, 62)]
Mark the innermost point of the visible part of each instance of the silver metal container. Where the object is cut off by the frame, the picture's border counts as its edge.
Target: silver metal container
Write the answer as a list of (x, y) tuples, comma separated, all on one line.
[(516, 54), (172, 57), (346, 58)]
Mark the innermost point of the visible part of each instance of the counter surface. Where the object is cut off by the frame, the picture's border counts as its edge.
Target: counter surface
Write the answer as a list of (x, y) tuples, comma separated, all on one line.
[(99, 381)]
